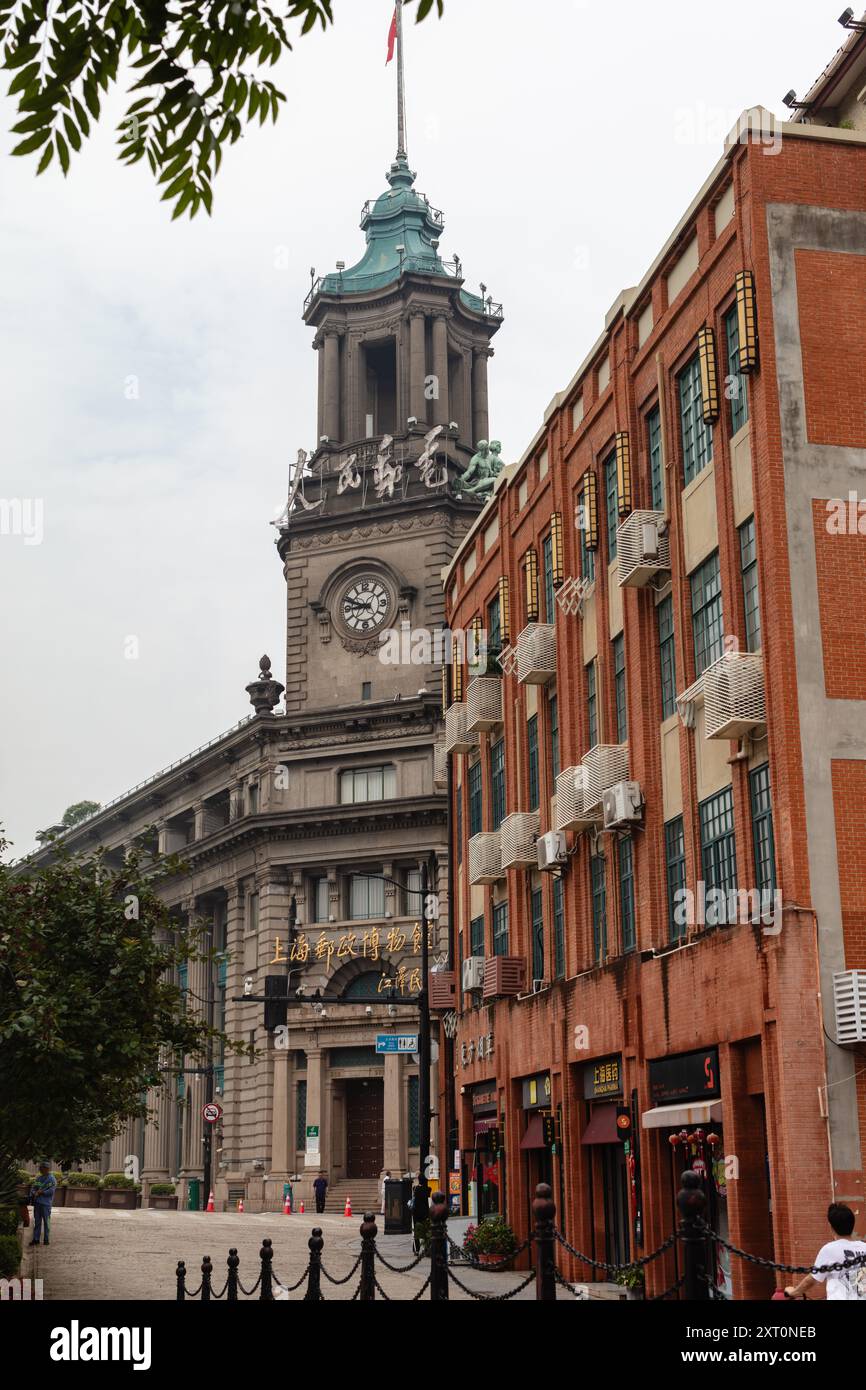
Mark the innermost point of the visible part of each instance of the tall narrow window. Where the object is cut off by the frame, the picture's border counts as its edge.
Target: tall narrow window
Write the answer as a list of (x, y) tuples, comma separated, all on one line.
[(474, 799), (547, 567), (675, 865), (532, 746), (366, 897), (322, 900), (654, 442), (667, 656), (558, 929), (751, 603), (599, 909), (762, 829), (500, 929), (494, 627), (625, 861), (412, 903), (301, 1116), (587, 556), (537, 935), (735, 386), (497, 782), (697, 435), (553, 713), (252, 915), (612, 502), (619, 688), (592, 704), (476, 936), (718, 847), (707, 624)]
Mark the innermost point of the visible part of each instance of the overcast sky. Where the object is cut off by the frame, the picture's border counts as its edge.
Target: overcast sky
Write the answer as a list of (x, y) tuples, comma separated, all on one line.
[(562, 139)]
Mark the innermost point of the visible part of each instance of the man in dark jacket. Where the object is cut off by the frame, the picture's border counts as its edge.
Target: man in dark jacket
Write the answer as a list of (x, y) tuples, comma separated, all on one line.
[(42, 1191), (320, 1187)]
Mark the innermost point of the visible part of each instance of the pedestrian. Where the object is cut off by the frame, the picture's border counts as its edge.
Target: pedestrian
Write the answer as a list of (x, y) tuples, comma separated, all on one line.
[(846, 1284), (42, 1191), (320, 1187), (386, 1178)]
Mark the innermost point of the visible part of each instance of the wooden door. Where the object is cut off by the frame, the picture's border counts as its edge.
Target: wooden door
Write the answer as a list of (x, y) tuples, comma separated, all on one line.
[(365, 1128)]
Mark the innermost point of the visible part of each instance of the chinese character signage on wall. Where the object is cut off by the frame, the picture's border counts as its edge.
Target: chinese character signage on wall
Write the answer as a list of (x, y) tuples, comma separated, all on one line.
[(602, 1078)]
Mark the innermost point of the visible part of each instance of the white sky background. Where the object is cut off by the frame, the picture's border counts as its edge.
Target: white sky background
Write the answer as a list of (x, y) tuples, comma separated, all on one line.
[(563, 139)]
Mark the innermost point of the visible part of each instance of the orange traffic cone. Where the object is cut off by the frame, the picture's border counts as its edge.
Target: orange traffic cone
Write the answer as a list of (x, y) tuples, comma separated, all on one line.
[(210, 1206), (240, 1204), (301, 1207), (348, 1211), (287, 1205)]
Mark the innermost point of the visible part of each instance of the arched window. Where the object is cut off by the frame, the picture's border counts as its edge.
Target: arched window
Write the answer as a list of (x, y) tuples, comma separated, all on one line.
[(364, 986)]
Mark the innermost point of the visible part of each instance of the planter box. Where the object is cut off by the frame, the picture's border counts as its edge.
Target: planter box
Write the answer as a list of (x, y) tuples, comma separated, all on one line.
[(82, 1197), (60, 1196), (123, 1197), (162, 1203)]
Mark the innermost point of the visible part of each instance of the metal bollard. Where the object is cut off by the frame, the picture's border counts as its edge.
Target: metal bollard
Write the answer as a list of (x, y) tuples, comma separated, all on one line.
[(692, 1234), (544, 1212), (206, 1277), (266, 1255), (369, 1231), (314, 1282), (232, 1286), (438, 1248), (181, 1280)]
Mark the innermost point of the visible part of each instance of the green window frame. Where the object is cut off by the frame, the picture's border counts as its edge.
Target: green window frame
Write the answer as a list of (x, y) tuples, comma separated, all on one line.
[(718, 843), (667, 656), (497, 782), (553, 713), (675, 870), (500, 929), (547, 572), (475, 799), (592, 703), (625, 864), (532, 753), (697, 435), (762, 829), (599, 908), (739, 397), (707, 619), (619, 689), (476, 936), (559, 928), (537, 913), (611, 496), (749, 569), (654, 445)]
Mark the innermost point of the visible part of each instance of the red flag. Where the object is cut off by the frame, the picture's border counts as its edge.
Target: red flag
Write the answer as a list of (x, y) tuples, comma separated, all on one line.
[(392, 37)]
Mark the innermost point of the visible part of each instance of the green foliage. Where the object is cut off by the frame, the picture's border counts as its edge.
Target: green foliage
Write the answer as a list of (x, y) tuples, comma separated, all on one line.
[(83, 1180), (162, 1189), (73, 815), (632, 1277), (493, 1236), (117, 1180), (89, 1011), (197, 89), (10, 1256), (8, 1221)]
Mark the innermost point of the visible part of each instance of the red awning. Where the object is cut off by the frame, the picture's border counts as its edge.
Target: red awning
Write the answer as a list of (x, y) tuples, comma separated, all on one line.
[(484, 1126), (534, 1136), (602, 1126)]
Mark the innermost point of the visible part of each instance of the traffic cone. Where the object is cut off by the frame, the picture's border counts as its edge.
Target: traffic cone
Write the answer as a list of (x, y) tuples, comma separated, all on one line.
[(210, 1206), (301, 1207), (287, 1205), (240, 1204), (348, 1211)]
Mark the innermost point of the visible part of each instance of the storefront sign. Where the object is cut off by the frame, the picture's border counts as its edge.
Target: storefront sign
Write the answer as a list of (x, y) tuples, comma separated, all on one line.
[(602, 1078), (536, 1091), (368, 945), (693, 1076), (476, 1051), (484, 1098), (455, 1184)]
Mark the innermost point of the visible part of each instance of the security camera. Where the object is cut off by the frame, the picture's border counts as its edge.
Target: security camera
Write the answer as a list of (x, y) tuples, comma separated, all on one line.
[(412, 420), (299, 992), (454, 426), (369, 1011), (248, 984)]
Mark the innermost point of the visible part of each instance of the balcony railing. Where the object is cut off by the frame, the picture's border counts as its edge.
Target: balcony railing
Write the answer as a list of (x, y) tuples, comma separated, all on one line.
[(484, 704), (536, 654), (485, 858), (518, 834), (604, 765)]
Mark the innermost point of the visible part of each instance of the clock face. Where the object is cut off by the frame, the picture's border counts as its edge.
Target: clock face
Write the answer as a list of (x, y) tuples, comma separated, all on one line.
[(364, 605)]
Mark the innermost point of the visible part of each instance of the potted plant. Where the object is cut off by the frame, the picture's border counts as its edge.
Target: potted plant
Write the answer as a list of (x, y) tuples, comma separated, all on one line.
[(163, 1195), (491, 1242), (632, 1280), (117, 1190), (82, 1189)]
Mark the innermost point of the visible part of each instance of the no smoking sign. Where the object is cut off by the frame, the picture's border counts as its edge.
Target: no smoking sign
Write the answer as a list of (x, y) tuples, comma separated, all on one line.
[(211, 1112)]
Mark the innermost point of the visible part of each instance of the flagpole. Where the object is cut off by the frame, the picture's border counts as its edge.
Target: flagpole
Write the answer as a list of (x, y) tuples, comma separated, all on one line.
[(401, 97)]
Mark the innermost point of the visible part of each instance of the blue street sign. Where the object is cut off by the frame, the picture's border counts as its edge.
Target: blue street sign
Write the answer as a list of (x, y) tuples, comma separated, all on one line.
[(396, 1042)]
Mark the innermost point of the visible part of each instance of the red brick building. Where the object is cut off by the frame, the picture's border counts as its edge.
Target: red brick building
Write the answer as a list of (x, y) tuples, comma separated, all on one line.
[(682, 699)]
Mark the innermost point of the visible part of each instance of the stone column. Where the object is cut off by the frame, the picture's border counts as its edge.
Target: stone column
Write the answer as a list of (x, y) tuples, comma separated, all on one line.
[(201, 820), (318, 345), (438, 414), (316, 1107), (236, 799), (395, 1153), (480, 410), (417, 366), (283, 1143), (463, 395), (239, 1019), (332, 385), (351, 401)]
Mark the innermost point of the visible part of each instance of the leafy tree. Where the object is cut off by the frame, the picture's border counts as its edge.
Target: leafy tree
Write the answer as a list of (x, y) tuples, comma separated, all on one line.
[(73, 815), (88, 1011), (192, 57)]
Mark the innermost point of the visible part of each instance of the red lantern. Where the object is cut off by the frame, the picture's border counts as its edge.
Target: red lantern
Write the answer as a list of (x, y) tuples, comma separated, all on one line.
[(673, 1140), (713, 1140)]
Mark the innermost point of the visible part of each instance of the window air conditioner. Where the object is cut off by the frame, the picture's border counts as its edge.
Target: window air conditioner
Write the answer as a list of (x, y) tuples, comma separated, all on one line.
[(552, 850), (621, 804), (473, 973)]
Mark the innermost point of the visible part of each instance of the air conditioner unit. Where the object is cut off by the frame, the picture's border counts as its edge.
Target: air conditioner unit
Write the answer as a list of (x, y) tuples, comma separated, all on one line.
[(642, 548), (484, 704), (485, 857), (734, 695), (621, 804), (849, 998), (552, 850), (539, 985), (473, 973), (536, 654)]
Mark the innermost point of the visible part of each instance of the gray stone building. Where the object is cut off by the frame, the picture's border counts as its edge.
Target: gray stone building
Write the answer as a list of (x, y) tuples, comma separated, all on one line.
[(303, 827)]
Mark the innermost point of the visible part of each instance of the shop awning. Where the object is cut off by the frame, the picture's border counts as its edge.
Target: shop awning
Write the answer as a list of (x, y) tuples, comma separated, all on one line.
[(485, 1126), (534, 1136), (700, 1112), (602, 1126)]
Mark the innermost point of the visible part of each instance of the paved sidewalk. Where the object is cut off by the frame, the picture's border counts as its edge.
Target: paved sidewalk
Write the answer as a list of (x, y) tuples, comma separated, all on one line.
[(96, 1254)]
